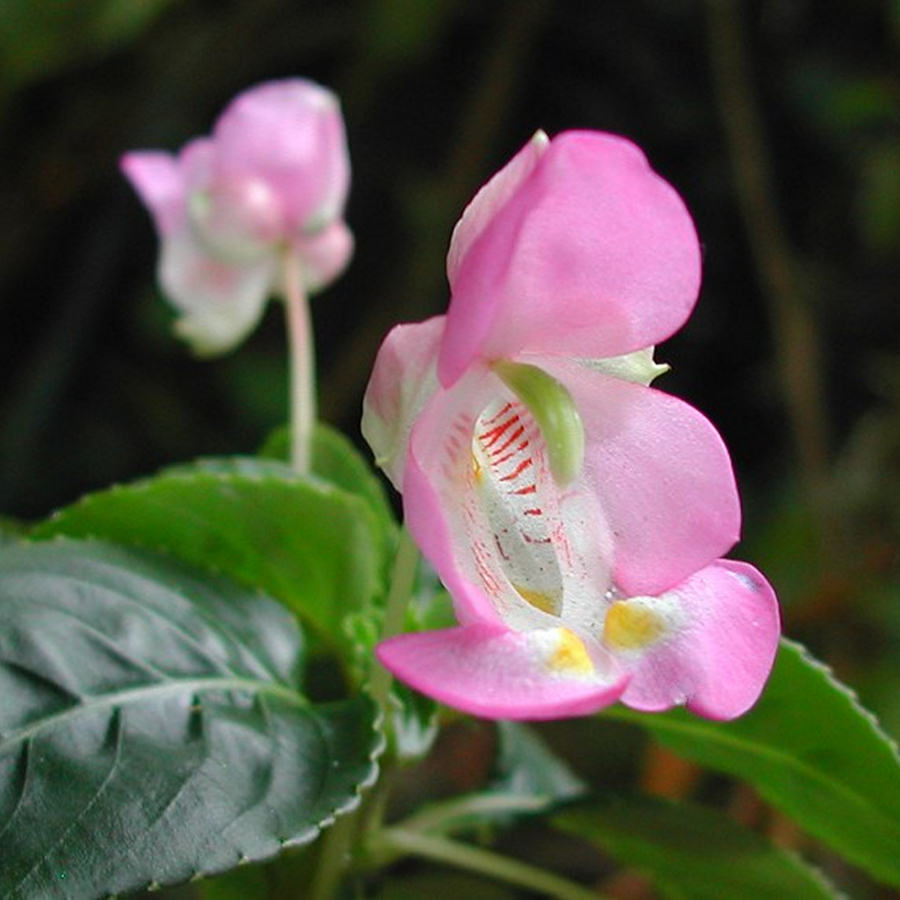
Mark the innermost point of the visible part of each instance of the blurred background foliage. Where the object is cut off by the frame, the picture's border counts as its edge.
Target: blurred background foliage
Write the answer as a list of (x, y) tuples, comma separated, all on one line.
[(777, 120)]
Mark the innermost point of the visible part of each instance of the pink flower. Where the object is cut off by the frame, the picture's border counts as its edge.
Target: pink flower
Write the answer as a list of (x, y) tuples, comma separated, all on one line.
[(271, 179), (576, 515)]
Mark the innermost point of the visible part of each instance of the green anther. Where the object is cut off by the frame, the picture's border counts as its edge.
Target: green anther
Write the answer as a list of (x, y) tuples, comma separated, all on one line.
[(554, 411)]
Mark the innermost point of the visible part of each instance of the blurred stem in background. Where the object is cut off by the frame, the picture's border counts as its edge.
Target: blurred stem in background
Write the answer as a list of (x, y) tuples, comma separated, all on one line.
[(797, 343), (794, 329)]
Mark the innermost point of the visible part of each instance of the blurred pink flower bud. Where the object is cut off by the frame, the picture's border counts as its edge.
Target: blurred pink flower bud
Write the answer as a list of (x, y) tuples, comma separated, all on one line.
[(272, 179)]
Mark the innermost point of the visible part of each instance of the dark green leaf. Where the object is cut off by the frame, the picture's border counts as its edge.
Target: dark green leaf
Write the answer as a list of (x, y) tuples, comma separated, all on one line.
[(691, 852), (313, 546), (809, 749), (151, 728)]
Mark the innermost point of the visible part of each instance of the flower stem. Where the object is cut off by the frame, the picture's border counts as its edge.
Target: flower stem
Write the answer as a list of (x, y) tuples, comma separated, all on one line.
[(402, 578), (333, 858), (338, 841), (399, 842), (302, 363), (447, 815)]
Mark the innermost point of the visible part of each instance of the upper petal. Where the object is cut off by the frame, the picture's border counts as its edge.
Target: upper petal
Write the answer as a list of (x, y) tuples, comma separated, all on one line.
[(661, 474), (157, 178), (719, 659), (290, 133), (490, 198), (402, 381), (502, 674), (592, 255)]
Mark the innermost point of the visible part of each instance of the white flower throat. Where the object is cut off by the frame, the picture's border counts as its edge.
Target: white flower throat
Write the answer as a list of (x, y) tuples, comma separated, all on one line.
[(544, 554), (525, 544)]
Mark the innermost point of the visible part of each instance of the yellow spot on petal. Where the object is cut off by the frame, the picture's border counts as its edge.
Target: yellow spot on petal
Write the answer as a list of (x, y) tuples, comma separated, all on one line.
[(477, 471), (548, 603), (571, 655), (631, 625)]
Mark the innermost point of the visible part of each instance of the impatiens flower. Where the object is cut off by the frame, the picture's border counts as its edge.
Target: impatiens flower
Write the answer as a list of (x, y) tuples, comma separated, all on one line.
[(576, 515), (272, 179)]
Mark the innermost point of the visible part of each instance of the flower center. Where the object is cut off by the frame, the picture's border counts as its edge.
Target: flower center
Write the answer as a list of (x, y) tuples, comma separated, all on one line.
[(509, 479), (237, 220), (539, 550)]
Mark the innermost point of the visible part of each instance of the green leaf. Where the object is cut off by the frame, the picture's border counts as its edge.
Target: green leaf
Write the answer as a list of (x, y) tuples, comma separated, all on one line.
[(335, 459), (811, 750), (152, 729), (313, 546), (691, 852)]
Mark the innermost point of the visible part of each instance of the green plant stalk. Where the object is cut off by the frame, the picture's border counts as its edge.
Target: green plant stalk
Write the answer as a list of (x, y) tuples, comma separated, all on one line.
[(402, 579), (337, 846), (392, 843), (302, 363), (449, 815), (334, 858)]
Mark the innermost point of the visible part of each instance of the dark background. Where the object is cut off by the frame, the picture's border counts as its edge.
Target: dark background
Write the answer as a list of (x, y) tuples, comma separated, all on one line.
[(776, 121)]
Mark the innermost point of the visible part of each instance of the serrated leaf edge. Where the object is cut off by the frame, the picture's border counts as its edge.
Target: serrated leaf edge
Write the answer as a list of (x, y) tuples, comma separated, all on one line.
[(38, 532), (617, 713)]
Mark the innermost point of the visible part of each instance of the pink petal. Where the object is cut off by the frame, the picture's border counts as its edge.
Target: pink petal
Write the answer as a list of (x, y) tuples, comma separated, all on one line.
[(196, 162), (219, 303), (499, 674), (661, 474), (325, 255), (593, 255), (434, 492), (291, 134), (490, 198), (157, 178), (402, 381), (719, 661)]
